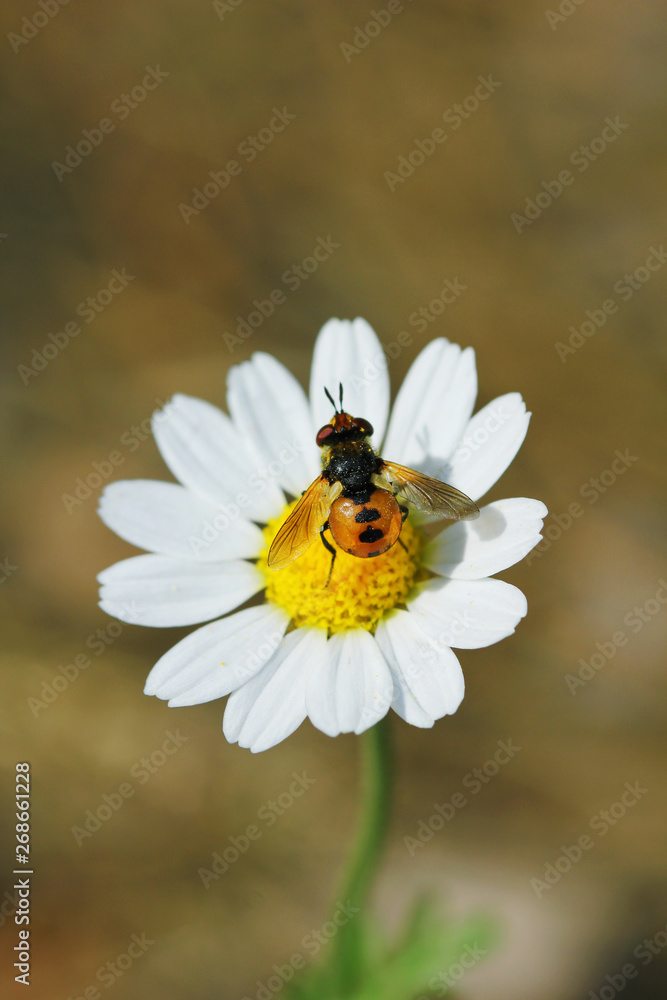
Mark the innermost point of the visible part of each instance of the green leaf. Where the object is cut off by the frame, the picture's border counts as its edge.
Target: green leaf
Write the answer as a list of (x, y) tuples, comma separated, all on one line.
[(419, 964)]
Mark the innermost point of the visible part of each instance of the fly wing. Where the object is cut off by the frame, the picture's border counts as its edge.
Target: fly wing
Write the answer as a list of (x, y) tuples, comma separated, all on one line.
[(424, 493), (304, 523)]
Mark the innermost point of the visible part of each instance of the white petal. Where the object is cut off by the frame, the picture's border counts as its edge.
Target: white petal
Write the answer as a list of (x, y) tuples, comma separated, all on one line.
[(269, 404), (272, 705), (490, 442), (218, 657), (503, 534), (350, 352), (404, 702), (433, 406), (467, 614), (351, 689), (160, 591), (170, 520), (428, 679), (211, 457)]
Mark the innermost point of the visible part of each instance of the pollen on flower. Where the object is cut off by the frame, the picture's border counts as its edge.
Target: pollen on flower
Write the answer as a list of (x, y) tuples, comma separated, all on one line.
[(360, 590)]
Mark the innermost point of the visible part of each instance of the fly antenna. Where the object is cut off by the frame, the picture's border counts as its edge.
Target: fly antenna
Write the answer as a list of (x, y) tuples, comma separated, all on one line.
[(340, 392), (330, 398)]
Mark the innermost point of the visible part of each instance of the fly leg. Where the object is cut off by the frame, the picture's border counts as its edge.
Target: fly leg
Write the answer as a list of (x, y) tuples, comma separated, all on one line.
[(404, 513), (329, 547)]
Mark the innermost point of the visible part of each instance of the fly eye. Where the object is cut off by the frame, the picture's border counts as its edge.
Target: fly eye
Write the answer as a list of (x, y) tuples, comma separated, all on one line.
[(322, 435), (362, 425)]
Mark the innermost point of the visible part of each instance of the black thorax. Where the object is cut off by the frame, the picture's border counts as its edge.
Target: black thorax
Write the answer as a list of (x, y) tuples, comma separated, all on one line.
[(352, 463)]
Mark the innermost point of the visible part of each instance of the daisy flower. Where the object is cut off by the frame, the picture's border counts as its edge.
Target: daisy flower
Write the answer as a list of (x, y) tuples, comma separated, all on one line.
[(381, 634)]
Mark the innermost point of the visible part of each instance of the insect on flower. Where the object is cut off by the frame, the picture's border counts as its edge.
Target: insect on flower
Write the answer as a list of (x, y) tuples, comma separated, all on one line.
[(383, 632), (355, 497)]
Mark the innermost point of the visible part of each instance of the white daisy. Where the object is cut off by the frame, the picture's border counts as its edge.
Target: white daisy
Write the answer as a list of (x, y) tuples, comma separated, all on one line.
[(381, 634)]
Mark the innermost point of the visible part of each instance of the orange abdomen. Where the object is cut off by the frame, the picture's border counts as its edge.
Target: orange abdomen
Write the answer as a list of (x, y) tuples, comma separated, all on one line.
[(366, 529)]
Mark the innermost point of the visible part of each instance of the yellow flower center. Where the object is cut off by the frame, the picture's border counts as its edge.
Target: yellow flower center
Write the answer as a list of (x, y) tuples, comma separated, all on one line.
[(360, 590)]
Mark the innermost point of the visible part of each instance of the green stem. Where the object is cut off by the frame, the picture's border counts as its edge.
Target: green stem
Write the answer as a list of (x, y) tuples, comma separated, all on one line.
[(377, 776)]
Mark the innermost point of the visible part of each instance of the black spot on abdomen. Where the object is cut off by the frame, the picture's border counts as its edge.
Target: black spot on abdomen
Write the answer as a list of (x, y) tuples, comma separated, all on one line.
[(367, 514), (370, 535)]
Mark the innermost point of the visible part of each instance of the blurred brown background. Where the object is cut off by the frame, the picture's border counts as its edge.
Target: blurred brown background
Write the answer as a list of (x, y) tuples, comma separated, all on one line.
[(356, 113)]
